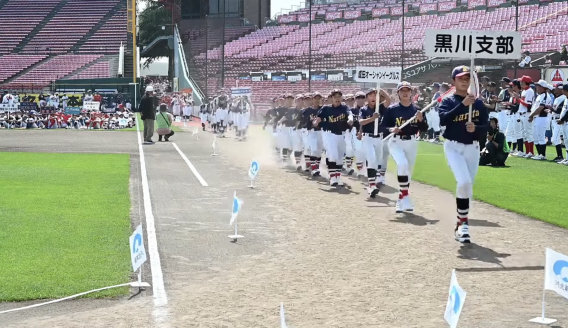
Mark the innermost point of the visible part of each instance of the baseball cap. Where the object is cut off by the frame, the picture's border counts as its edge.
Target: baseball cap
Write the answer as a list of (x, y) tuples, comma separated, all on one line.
[(492, 84), (360, 94), (349, 96), (460, 71), (505, 79), (317, 94), (435, 85), (526, 79), (565, 87), (148, 89), (335, 91), (550, 87), (299, 96), (308, 96), (542, 83), (558, 85), (403, 85), (373, 90), (289, 95)]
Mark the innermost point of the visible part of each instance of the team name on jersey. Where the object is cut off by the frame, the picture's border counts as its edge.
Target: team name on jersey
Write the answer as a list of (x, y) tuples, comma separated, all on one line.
[(312, 117), (401, 120), (464, 117), (335, 119)]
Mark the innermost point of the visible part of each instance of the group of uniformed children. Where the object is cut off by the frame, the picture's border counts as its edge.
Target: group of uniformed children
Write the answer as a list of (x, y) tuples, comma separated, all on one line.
[(355, 129), (223, 112)]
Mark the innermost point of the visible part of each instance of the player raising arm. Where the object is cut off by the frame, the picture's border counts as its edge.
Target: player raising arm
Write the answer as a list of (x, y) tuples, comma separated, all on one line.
[(461, 145)]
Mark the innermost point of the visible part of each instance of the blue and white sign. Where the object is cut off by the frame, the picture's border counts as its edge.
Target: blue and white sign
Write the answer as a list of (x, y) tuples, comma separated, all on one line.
[(237, 204), (137, 251), (242, 91), (556, 276), (253, 170), (456, 299)]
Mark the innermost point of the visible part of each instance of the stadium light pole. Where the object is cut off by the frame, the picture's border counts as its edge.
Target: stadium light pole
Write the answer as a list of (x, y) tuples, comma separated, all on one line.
[(223, 45), (206, 57), (310, 50), (402, 56)]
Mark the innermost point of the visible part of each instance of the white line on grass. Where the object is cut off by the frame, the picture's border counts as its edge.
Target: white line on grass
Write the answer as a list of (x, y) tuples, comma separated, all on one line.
[(191, 167), (160, 297)]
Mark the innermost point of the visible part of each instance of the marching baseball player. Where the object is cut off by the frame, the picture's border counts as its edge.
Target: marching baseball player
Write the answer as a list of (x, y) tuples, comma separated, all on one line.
[(373, 143), (314, 142), (338, 118), (288, 122), (350, 134), (296, 133), (203, 115), (461, 144), (557, 128), (304, 126), (539, 118), (235, 112), (563, 122), (357, 143), (403, 146)]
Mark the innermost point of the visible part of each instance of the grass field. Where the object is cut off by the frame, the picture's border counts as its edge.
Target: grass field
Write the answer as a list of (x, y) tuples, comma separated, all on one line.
[(537, 189), (65, 223)]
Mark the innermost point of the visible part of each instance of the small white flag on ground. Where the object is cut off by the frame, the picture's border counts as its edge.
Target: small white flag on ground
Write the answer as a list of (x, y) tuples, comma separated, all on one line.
[(555, 279), (456, 299), (237, 203), (253, 172), (282, 316)]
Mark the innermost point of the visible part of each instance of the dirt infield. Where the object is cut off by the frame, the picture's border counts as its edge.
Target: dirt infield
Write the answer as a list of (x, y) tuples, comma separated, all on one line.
[(335, 258)]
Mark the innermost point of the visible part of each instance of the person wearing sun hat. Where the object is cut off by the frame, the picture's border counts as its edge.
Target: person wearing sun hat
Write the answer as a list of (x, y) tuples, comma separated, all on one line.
[(338, 118), (403, 146), (461, 145)]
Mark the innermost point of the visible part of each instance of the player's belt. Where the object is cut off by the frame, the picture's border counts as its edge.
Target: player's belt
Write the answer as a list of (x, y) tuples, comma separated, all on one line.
[(380, 135), (339, 133), (404, 137)]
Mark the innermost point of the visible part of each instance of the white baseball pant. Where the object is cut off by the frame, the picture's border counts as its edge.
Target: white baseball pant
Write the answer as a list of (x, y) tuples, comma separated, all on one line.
[(463, 160), (504, 118), (325, 139), (336, 148), (296, 139), (404, 153), (384, 159), (514, 128), (433, 119), (222, 116), (527, 128), (373, 151), (565, 132), (494, 115), (314, 142), (349, 149), (359, 150), (539, 130), (284, 138), (557, 132), (243, 120)]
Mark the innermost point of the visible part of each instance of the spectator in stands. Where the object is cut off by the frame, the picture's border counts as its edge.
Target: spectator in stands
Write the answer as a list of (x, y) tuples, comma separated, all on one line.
[(164, 121), (526, 61), (496, 149), (8, 98), (88, 96), (564, 55), (148, 109)]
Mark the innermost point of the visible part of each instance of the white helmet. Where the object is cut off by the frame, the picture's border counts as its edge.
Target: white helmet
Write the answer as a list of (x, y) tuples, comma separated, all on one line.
[(149, 88)]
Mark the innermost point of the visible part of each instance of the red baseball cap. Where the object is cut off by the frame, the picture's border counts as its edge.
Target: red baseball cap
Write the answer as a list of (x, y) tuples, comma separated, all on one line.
[(526, 79)]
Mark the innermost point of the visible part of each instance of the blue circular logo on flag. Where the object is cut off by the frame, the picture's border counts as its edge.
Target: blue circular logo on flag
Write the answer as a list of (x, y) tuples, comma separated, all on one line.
[(254, 167), (235, 205), (560, 268), (136, 242), (455, 298)]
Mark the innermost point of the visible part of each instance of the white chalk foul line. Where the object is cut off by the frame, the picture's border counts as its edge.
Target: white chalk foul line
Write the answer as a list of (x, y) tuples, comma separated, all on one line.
[(160, 297), (191, 167)]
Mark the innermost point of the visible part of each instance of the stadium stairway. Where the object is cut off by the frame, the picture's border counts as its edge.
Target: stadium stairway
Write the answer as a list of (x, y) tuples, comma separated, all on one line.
[(19, 48), (120, 5), (25, 71)]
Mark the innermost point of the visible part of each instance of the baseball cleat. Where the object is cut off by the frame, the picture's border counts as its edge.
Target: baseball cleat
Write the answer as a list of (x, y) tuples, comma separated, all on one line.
[(520, 154), (528, 155), (564, 161), (538, 157), (398, 206), (558, 159), (462, 233), (333, 181), (382, 180), (298, 168), (406, 204), (315, 173), (350, 171), (338, 180)]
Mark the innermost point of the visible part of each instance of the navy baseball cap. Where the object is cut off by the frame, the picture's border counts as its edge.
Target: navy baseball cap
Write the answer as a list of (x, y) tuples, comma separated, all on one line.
[(373, 90), (335, 91), (435, 85), (506, 79), (403, 85), (565, 87), (461, 71)]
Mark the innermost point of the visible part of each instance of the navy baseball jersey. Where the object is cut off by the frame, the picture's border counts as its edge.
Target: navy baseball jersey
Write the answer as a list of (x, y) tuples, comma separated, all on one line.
[(278, 113), (309, 114), (396, 115), (356, 111), (336, 118), (290, 115), (367, 112), (454, 116)]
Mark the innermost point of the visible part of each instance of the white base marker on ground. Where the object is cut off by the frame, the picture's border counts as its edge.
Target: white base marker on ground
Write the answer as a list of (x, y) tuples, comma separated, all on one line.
[(160, 297), (191, 167)]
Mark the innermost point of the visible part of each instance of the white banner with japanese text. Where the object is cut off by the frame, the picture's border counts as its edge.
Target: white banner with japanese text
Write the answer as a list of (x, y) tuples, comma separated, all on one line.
[(473, 44)]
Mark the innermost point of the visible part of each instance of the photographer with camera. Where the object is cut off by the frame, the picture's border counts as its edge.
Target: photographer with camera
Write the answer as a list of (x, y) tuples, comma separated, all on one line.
[(496, 149)]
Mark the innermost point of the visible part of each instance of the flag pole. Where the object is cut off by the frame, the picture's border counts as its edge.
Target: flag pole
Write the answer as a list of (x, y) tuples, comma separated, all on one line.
[(377, 105), (471, 87)]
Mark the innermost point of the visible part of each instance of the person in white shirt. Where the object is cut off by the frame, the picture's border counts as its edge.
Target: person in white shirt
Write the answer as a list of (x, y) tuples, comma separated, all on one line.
[(526, 61), (525, 130), (556, 110), (563, 121), (64, 100), (539, 117), (54, 100), (88, 96), (8, 99)]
